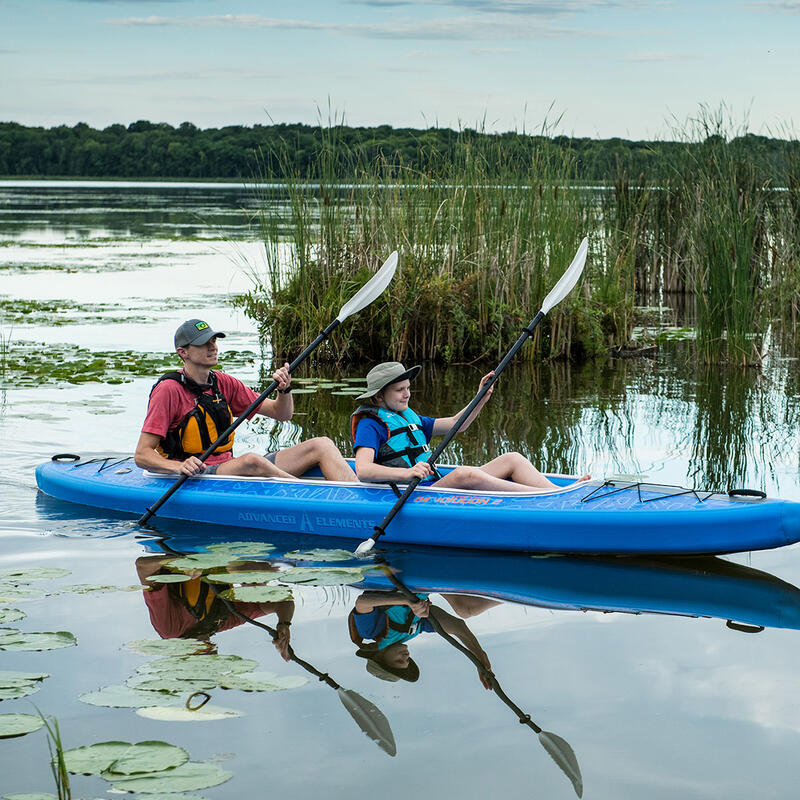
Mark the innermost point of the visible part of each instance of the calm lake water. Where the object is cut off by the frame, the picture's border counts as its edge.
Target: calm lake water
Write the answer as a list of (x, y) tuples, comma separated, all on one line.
[(671, 704)]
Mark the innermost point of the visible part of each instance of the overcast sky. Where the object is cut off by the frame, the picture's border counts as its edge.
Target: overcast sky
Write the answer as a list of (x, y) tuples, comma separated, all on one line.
[(626, 68)]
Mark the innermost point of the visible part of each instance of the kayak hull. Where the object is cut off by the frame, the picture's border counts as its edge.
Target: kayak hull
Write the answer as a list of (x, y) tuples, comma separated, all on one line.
[(587, 519)]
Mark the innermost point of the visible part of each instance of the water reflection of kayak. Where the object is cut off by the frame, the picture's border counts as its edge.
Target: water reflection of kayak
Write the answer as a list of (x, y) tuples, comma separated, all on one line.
[(593, 518), (699, 586), (696, 586)]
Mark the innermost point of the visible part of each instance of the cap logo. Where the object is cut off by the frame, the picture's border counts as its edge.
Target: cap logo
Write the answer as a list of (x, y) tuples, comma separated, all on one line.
[(201, 326)]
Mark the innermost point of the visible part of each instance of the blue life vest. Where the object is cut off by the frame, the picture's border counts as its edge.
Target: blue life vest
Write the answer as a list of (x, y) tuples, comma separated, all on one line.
[(406, 443), (401, 624)]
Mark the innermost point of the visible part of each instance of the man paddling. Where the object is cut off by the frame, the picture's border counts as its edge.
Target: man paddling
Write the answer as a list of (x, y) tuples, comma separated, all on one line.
[(189, 408)]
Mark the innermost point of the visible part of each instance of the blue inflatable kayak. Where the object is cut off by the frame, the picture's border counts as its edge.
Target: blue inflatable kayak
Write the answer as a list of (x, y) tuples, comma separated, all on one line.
[(597, 517)]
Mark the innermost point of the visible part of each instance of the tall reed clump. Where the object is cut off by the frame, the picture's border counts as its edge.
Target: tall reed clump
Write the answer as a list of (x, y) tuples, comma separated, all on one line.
[(784, 247), (726, 199), (484, 232)]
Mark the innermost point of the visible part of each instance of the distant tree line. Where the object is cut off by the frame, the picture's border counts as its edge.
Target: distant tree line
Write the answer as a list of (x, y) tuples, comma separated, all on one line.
[(158, 150)]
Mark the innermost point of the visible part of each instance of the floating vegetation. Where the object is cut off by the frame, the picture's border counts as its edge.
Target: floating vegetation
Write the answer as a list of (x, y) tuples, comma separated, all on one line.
[(25, 574), (256, 594), (149, 767), (30, 364), (262, 682), (323, 576), (13, 639), (57, 313), (13, 593), (164, 647), (320, 555), (175, 714), (14, 685), (12, 725), (174, 577), (11, 615), (97, 588), (246, 577), (120, 696), (116, 760)]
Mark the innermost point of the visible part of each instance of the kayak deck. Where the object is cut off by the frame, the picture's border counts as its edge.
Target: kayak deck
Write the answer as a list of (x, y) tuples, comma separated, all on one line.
[(594, 517)]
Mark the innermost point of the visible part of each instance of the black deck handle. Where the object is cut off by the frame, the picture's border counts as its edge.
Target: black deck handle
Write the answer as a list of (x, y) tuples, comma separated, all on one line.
[(747, 493), (743, 627)]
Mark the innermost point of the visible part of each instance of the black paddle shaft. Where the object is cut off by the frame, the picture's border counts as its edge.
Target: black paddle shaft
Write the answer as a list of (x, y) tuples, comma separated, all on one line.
[(526, 333), (238, 421)]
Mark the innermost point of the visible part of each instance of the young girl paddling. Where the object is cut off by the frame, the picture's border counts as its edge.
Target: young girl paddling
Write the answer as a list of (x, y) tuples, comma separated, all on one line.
[(391, 440)]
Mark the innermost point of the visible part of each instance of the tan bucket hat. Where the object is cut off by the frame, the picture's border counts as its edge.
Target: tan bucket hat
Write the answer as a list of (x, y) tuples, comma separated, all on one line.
[(380, 376)]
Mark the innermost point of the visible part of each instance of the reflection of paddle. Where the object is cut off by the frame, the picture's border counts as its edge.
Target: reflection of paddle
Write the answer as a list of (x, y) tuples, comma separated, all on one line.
[(369, 717), (564, 286), (558, 749), (372, 289)]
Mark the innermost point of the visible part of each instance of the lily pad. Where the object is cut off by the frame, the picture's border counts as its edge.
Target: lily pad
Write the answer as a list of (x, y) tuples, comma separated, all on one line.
[(18, 725), (323, 576), (162, 682), (200, 666), (11, 593), (146, 757), (97, 588), (120, 696), (257, 594), (262, 682), (169, 577), (25, 574), (182, 714), (246, 576), (31, 796), (92, 759), (11, 615), (37, 641), (14, 685), (320, 555), (201, 562), (251, 549), (165, 647)]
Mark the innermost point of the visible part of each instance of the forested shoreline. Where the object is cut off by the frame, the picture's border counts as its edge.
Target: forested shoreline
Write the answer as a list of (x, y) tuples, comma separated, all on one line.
[(158, 150)]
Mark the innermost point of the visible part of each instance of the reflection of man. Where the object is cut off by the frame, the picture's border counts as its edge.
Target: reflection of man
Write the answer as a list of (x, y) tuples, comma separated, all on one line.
[(390, 620), (192, 610)]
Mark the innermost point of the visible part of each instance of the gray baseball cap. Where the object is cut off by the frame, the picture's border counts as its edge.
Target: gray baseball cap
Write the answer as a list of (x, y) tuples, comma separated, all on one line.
[(388, 372), (194, 332)]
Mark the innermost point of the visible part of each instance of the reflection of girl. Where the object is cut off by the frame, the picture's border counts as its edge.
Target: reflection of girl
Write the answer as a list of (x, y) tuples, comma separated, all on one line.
[(390, 620), (192, 610)]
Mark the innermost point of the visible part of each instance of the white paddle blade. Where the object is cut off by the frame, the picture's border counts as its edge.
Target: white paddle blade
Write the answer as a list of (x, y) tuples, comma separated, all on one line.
[(370, 719), (371, 290), (365, 547), (564, 756), (568, 279)]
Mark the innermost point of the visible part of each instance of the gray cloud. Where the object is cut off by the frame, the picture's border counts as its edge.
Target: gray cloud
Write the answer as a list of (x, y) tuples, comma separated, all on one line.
[(539, 8), (787, 6), (659, 56), (455, 29)]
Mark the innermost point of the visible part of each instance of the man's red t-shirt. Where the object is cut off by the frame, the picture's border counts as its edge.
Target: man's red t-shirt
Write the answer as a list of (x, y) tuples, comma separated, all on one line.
[(171, 401)]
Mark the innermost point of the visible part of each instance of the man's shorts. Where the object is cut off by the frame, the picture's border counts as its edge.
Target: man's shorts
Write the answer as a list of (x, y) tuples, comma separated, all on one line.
[(212, 468)]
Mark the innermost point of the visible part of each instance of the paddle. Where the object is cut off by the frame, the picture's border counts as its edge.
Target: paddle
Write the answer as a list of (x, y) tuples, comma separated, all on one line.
[(372, 289), (558, 749), (369, 717), (557, 294)]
